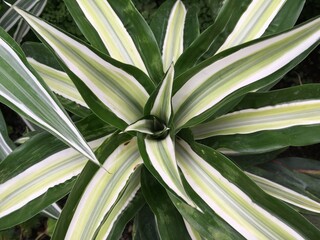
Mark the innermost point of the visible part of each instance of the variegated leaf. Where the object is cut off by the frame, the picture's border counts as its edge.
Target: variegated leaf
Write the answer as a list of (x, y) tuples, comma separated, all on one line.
[(10, 17), (173, 41), (194, 234), (159, 157), (217, 79), (254, 216), (112, 32), (23, 28), (102, 191), (285, 115), (209, 41), (6, 144), (23, 90), (121, 204), (253, 22), (34, 181), (112, 25), (58, 81), (208, 224), (161, 107), (53, 211), (114, 87), (285, 194)]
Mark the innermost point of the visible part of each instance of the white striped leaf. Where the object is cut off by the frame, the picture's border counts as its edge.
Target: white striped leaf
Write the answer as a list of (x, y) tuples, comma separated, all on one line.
[(194, 234), (23, 90), (162, 104), (253, 22), (159, 157), (173, 41), (53, 211), (112, 32), (135, 42), (6, 144), (229, 12), (206, 223), (285, 115), (226, 197), (103, 190), (121, 204), (286, 17), (10, 17), (127, 215), (150, 126), (270, 140), (23, 28), (114, 87), (227, 75), (6, 147), (58, 81), (142, 126), (35, 181), (285, 194)]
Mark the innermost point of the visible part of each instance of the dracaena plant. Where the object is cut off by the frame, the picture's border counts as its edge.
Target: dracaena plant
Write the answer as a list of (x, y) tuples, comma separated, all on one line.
[(160, 108)]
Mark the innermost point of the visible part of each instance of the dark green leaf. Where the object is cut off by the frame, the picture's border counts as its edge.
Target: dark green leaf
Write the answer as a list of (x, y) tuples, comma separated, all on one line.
[(145, 226), (168, 218), (207, 223)]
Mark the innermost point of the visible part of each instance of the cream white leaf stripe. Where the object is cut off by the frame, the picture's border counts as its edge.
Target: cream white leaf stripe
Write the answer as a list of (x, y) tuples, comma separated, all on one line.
[(103, 190), (162, 104), (112, 32), (10, 18), (65, 130), (253, 23), (36, 180), (118, 90), (142, 126), (228, 201), (285, 194), (194, 234), (162, 157), (173, 42), (58, 81), (128, 195), (246, 121), (248, 65), (23, 27), (5, 148), (53, 211)]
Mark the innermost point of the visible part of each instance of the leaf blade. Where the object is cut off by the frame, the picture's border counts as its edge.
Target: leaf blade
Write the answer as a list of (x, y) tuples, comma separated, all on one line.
[(23, 90), (266, 118), (285, 194), (173, 40), (97, 190), (58, 81), (159, 158), (194, 98), (112, 32), (253, 23), (267, 221), (117, 89)]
